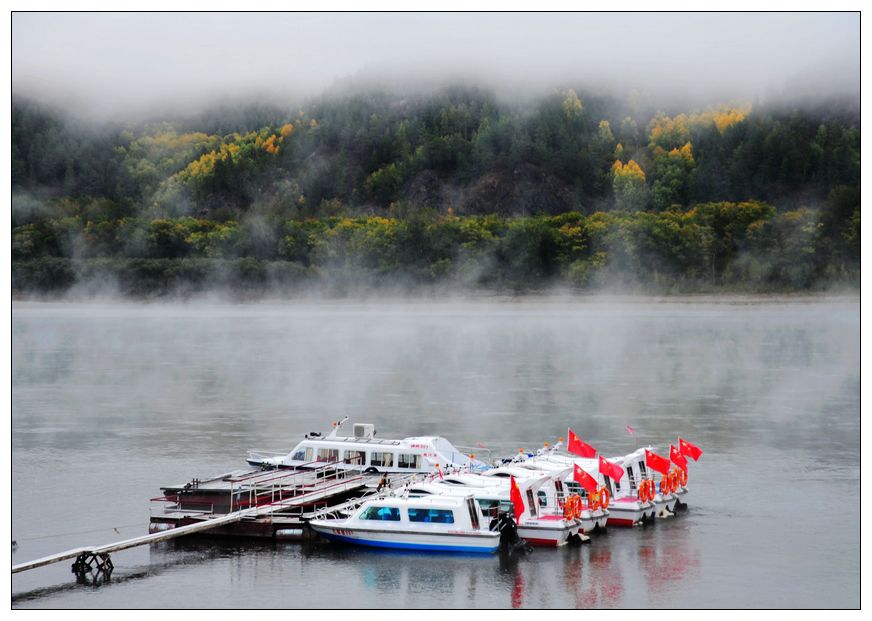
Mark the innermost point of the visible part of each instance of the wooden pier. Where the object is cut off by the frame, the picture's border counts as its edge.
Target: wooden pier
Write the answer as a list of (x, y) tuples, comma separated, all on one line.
[(273, 503)]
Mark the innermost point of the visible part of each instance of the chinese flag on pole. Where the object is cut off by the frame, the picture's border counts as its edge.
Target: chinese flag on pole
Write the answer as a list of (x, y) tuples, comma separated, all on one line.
[(689, 450), (610, 470), (677, 458), (656, 462), (516, 498), (577, 447), (583, 478)]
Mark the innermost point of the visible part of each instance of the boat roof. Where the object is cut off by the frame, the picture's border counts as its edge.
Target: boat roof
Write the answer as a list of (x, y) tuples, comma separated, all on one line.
[(434, 500)]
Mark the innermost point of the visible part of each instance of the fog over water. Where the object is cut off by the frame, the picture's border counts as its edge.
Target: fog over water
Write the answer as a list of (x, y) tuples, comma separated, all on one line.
[(111, 401), (124, 64)]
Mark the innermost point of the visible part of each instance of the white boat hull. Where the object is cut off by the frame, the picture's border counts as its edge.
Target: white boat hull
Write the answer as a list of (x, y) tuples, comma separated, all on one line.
[(629, 512), (548, 532), (485, 542)]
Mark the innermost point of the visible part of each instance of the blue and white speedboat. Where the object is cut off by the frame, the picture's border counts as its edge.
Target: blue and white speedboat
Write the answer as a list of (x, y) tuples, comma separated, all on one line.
[(436, 524)]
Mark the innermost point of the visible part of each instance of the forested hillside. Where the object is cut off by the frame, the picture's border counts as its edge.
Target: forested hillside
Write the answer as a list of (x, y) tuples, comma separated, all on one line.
[(454, 188)]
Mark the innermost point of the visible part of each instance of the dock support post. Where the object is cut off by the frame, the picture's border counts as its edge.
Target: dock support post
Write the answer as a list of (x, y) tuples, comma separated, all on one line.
[(98, 564)]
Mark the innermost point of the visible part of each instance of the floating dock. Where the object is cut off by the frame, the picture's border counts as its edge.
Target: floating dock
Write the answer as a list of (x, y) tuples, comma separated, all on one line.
[(256, 503)]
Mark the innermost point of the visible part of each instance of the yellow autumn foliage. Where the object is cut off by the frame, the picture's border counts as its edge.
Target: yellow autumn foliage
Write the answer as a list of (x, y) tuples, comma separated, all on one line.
[(628, 171)]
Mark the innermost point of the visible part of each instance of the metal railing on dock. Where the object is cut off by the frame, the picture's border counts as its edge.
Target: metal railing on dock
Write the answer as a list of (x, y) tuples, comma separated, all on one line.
[(257, 504)]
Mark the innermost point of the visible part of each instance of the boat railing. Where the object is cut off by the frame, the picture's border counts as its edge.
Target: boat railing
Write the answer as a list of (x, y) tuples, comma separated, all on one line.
[(266, 453), (472, 450), (175, 504)]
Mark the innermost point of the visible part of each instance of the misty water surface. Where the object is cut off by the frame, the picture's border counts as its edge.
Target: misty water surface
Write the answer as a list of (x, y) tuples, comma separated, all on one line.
[(111, 401)]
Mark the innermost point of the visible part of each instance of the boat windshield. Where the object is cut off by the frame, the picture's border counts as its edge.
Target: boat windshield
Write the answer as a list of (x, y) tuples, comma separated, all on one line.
[(389, 514), (303, 453)]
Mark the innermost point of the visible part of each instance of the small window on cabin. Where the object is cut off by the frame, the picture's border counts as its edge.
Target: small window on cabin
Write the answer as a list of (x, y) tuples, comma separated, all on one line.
[(608, 483), (328, 455), (303, 454), (531, 504), (385, 514), (643, 470), (630, 477), (432, 516), (573, 487), (408, 461), (356, 458), (506, 505), (543, 498), (384, 460), (558, 485)]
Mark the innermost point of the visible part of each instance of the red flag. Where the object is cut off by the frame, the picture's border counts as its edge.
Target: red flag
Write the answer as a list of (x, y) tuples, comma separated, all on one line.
[(578, 447), (584, 479), (610, 469), (630, 430), (656, 462), (677, 458), (516, 498), (689, 450)]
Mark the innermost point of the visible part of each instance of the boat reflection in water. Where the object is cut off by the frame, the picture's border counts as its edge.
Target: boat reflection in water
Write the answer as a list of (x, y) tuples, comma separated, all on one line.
[(646, 567)]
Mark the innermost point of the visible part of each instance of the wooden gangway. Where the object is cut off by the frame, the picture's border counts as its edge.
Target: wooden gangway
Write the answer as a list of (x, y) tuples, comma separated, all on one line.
[(86, 556)]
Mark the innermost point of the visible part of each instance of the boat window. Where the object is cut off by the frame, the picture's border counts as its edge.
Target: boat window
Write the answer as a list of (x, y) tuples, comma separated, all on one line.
[(558, 484), (386, 514), (631, 477), (325, 454), (543, 498), (303, 454), (454, 482), (434, 516), (355, 457), (531, 504), (473, 513), (501, 474), (607, 481), (643, 470), (506, 505), (489, 507), (572, 487), (385, 460), (409, 461)]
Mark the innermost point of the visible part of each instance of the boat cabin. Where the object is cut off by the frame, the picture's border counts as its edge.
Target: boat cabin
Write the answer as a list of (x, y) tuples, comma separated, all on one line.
[(363, 451)]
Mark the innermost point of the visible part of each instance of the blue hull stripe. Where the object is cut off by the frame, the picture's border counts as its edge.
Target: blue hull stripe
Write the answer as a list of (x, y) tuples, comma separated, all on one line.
[(408, 546)]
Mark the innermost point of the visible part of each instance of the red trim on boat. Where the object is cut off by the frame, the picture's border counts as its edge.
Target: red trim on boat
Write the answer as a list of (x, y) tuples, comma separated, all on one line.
[(541, 542)]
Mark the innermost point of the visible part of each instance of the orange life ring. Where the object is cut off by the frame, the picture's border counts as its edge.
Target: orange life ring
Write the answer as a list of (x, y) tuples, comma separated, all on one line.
[(606, 497), (643, 492), (648, 486), (682, 477), (593, 500), (674, 485), (571, 510)]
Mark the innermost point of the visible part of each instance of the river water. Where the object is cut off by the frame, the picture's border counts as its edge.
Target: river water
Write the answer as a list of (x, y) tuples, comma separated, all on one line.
[(111, 401)]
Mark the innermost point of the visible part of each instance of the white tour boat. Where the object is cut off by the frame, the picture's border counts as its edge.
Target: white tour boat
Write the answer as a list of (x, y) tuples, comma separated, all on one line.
[(542, 522), (439, 523), (626, 507), (636, 471), (590, 517), (362, 451)]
